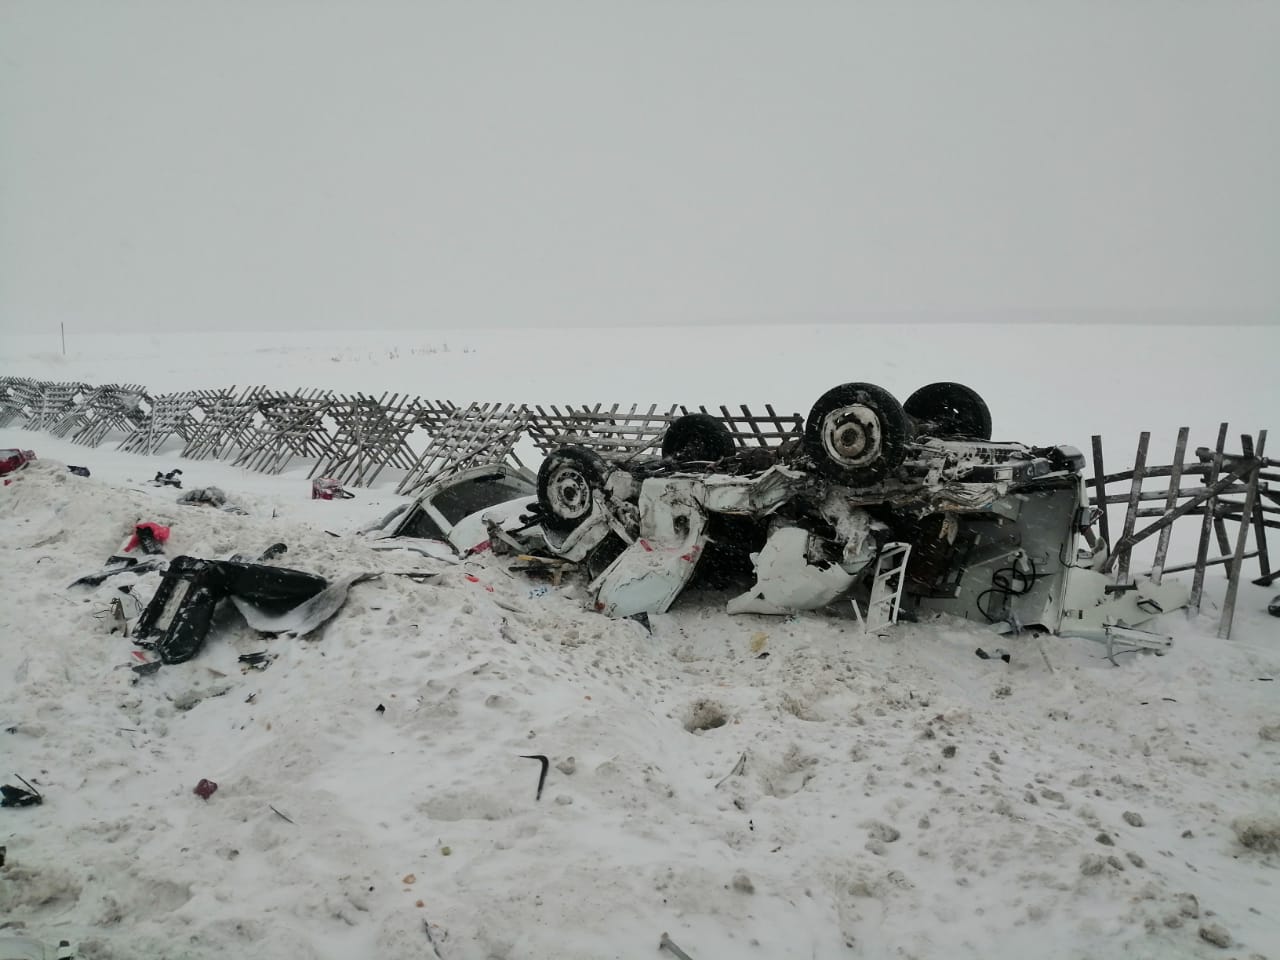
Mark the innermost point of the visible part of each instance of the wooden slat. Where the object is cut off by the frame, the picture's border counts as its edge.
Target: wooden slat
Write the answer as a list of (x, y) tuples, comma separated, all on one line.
[(1100, 491), (1259, 516), (1131, 514), (1202, 552), (1171, 501), (1242, 537)]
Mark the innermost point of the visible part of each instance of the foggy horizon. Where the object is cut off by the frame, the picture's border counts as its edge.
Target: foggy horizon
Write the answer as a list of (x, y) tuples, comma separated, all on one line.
[(292, 166)]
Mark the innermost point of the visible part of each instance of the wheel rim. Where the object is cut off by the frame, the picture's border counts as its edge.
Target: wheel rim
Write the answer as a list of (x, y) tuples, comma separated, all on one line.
[(569, 493), (851, 436)]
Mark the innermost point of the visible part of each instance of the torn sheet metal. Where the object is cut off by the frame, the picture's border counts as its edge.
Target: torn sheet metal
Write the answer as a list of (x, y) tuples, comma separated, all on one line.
[(651, 572), (754, 496), (792, 573), (1092, 604)]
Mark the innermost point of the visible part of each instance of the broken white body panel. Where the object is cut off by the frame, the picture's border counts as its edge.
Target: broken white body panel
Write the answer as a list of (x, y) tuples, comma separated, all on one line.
[(651, 572), (1094, 609), (791, 575)]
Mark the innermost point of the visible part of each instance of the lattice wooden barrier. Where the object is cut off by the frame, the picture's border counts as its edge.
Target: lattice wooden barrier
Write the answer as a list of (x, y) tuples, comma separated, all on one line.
[(618, 432), (478, 434), (769, 429), (168, 415), (429, 414), (613, 431), (54, 401), (368, 436), (17, 396), (226, 423), (106, 408), (292, 425)]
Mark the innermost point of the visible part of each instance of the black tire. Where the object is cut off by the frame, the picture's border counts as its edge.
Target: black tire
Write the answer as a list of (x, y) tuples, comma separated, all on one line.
[(697, 437), (856, 433), (947, 410), (566, 481)]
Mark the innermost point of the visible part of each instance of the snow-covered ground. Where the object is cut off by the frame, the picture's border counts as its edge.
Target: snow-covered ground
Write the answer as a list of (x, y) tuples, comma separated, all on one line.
[(753, 786)]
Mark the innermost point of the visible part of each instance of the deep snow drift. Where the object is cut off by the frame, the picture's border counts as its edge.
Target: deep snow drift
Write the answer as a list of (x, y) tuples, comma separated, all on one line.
[(754, 786)]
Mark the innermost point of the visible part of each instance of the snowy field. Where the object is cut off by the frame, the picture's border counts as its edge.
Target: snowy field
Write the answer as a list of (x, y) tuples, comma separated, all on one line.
[(842, 796)]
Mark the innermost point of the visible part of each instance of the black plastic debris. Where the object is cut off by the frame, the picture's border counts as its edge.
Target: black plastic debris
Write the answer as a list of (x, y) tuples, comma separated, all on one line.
[(993, 655), (150, 538), (179, 616), (380, 709), (116, 565), (169, 479), (78, 471), (1273, 607), (11, 796), (542, 776)]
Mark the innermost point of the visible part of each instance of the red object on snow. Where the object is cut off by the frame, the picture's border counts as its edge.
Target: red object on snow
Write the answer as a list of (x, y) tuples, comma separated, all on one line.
[(158, 533), (327, 488), (12, 459), (205, 789)]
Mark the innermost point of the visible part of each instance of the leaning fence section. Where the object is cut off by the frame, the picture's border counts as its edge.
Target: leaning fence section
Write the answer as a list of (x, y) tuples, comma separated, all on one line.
[(1221, 494)]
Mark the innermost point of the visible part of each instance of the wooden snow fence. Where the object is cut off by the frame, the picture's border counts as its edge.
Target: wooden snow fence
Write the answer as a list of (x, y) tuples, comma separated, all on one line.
[(168, 415), (475, 435), (613, 432), (619, 432), (17, 395), (368, 435), (75, 415), (113, 407), (769, 429), (430, 414), (53, 402), (227, 422), (291, 425), (1217, 487)]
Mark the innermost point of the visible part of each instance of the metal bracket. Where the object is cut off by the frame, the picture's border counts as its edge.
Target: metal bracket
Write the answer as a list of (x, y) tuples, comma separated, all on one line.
[(1132, 640)]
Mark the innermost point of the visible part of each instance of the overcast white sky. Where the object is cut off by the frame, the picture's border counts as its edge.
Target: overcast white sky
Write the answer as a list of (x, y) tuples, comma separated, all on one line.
[(285, 165)]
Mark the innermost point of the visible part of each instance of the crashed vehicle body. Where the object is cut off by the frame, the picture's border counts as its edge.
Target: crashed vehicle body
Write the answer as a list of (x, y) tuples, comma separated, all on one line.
[(994, 527), (989, 530)]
